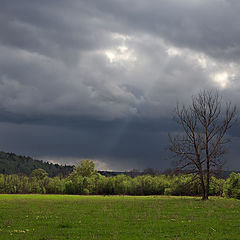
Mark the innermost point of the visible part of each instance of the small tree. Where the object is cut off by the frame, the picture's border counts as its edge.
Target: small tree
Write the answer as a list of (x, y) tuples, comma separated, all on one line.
[(199, 149), (85, 168)]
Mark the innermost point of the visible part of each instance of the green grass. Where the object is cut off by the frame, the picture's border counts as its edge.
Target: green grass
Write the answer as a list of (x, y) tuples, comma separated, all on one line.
[(48, 217)]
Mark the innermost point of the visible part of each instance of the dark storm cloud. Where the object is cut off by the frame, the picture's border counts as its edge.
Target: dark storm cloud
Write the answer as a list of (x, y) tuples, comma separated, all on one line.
[(208, 26), (117, 146), (120, 144), (99, 79)]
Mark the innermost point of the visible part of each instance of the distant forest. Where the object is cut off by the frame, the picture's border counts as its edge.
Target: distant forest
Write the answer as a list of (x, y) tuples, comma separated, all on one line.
[(10, 163)]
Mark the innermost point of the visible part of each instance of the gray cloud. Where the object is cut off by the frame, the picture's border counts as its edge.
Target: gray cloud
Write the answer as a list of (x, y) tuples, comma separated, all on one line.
[(100, 79), (209, 27)]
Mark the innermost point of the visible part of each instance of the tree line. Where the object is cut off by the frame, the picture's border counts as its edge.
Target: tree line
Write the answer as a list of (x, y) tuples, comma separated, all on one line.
[(86, 180)]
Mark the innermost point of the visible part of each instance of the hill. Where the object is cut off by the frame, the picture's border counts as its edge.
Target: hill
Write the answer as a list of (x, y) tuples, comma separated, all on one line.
[(10, 163)]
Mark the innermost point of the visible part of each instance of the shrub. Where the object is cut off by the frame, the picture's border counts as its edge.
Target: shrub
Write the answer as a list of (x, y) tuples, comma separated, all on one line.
[(168, 191), (232, 186), (85, 191)]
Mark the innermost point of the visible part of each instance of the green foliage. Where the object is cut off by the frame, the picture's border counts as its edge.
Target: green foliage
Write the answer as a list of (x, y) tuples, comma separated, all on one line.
[(85, 168), (182, 184), (54, 185), (39, 174), (216, 186), (176, 185), (69, 187), (85, 191), (232, 186)]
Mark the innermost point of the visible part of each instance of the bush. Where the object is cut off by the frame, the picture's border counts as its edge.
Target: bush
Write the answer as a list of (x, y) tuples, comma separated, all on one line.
[(232, 186), (85, 191), (168, 191)]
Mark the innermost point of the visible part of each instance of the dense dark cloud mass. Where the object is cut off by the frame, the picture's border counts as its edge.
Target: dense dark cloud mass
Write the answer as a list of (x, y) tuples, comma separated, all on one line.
[(99, 79)]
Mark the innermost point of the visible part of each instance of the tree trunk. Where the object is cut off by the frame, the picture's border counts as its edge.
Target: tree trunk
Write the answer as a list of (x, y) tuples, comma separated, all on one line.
[(202, 185), (208, 180), (208, 162)]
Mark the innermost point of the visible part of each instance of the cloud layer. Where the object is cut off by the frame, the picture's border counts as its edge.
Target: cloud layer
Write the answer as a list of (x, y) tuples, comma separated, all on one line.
[(99, 79)]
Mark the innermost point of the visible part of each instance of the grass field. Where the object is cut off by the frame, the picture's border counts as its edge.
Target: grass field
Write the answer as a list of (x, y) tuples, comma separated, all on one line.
[(48, 217)]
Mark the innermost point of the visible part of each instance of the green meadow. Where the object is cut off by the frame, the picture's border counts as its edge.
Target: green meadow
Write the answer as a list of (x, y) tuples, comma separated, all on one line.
[(49, 217)]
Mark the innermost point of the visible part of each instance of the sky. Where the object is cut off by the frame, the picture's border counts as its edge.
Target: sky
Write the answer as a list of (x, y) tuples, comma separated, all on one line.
[(100, 79)]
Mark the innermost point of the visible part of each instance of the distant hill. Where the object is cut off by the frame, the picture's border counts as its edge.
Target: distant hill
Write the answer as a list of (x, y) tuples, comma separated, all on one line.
[(10, 163)]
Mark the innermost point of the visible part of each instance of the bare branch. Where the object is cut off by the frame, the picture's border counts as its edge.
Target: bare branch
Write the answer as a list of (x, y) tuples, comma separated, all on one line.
[(202, 144)]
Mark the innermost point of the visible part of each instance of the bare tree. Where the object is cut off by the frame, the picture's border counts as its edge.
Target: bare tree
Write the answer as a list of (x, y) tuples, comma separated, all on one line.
[(199, 149)]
